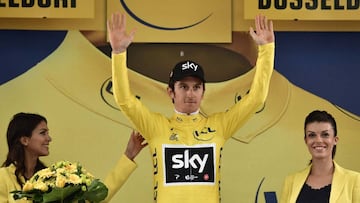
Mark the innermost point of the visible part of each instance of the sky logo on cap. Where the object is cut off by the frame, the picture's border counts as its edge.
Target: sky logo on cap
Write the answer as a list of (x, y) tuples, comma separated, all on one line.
[(189, 65)]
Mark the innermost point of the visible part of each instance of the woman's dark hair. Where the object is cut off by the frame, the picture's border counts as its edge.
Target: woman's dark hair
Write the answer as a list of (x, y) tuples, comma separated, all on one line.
[(22, 124), (322, 116)]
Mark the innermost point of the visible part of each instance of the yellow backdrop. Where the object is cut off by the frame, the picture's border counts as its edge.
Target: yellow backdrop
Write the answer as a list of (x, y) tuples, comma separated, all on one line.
[(68, 88)]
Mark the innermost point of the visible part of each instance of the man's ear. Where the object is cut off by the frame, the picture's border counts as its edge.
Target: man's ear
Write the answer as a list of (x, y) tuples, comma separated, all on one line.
[(24, 140), (170, 92)]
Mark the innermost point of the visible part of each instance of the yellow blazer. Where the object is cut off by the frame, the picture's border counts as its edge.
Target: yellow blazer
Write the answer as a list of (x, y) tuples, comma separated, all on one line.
[(8, 183), (345, 186), (114, 180)]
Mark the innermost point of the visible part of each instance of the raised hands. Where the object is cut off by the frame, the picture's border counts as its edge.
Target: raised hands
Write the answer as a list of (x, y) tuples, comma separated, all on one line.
[(119, 39), (135, 145), (264, 30)]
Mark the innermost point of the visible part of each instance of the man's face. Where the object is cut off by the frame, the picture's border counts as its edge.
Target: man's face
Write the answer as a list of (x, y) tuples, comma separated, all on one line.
[(187, 94)]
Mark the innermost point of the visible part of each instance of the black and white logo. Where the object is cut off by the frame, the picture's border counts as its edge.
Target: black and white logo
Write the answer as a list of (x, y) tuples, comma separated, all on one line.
[(189, 164), (189, 65)]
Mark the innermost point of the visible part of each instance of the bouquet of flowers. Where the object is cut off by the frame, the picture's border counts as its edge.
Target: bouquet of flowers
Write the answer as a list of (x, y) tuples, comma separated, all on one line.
[(63, 182)]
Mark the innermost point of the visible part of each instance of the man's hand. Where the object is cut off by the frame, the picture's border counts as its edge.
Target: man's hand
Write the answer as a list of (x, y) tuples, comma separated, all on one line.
[(264, 30), (119, 39)]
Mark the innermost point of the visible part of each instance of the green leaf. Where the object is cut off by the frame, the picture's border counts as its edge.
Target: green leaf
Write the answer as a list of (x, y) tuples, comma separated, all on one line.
[(60, 194), (19, 195), (96, 192), (35, 195)]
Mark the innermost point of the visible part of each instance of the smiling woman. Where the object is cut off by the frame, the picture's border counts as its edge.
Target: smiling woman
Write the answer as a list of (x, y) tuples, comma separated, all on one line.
[(323, 180), (28, 139)]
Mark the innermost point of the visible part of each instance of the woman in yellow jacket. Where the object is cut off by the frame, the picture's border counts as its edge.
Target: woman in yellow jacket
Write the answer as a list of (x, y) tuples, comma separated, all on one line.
[(28, 139), (323, 180)]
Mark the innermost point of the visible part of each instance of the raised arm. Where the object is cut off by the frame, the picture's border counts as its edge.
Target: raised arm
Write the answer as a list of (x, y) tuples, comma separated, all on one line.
[(119, 39), (125, 166), (264, 33), (243, 110)]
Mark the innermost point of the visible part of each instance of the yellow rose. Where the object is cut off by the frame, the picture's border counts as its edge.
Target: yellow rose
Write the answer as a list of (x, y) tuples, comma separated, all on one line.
[(72, 168), (41, 186), (60, 181), (45, 173), (90, 175), (74, 179), (60, 171), (28, 186)]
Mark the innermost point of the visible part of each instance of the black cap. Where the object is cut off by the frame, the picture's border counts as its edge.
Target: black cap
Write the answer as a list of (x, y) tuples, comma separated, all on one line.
[(187, 68)]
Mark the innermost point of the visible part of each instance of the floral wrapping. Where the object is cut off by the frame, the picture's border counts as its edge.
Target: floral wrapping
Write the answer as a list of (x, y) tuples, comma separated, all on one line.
[(63, 182)]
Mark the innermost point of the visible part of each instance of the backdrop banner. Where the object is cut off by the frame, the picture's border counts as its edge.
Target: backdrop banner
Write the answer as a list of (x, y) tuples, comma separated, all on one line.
[(72, 87), (176, 21), (47, 9), (304, 10)]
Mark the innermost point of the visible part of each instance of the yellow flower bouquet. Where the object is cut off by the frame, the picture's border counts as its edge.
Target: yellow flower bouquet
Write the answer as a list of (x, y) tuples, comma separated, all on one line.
[(63, 182)]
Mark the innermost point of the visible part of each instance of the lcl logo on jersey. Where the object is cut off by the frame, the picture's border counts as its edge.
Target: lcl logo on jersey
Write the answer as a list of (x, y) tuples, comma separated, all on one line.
[(184, 164)]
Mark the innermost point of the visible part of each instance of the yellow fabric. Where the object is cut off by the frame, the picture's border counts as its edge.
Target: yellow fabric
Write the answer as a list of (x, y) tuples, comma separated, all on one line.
[(345, 186), (8, 183), (186, 150), (118, 176)]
